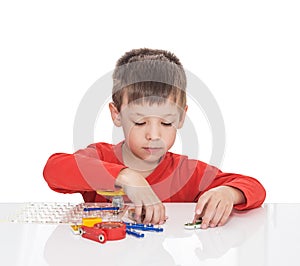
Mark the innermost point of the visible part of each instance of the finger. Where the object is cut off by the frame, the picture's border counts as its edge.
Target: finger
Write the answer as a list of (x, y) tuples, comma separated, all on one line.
[(196, 218), (200, 206), (149, 210), (163, 220), (138, 213), (156, 214), (209, 213), (220, 210), (160, 213), (226, 215), (163, 217)]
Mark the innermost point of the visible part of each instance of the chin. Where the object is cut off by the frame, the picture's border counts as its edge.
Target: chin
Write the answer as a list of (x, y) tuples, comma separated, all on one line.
[(153, 159)]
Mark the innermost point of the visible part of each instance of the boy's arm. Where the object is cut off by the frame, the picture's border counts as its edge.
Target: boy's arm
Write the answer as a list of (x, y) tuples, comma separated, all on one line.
[(253, 192), (227, 191), (82, 171), (142, 196), (87, 170), (215, 206)]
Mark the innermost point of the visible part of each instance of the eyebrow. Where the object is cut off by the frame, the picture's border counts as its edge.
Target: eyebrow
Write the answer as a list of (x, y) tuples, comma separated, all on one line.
[(163, 115)]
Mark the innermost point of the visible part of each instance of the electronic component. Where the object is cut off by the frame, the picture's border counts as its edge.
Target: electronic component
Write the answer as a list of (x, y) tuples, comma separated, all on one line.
[(195, 225)]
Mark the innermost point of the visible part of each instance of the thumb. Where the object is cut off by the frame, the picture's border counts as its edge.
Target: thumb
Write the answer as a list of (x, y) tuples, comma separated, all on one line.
[(200, 206)]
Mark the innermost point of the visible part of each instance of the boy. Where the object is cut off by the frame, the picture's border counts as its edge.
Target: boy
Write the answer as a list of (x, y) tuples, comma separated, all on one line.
[(149, 103)]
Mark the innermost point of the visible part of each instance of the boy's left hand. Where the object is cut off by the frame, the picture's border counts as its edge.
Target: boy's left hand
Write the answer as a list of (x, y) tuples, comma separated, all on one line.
[(216, 204)]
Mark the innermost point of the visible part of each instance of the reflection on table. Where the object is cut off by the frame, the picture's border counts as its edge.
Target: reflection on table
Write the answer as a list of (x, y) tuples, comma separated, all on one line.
[(263, 236)]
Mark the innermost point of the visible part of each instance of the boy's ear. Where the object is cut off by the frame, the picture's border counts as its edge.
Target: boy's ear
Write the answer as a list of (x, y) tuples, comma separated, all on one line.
[(182, 117), (115, 114)]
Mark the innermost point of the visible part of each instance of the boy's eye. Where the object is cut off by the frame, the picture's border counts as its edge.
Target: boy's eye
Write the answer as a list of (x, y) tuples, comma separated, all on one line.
[(139, 123), (166, 124)]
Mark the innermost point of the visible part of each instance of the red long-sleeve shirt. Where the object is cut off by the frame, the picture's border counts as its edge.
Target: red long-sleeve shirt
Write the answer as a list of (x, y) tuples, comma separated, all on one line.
[(176, 179)]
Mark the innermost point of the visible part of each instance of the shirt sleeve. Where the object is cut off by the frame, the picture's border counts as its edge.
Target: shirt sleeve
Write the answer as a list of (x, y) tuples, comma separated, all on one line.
[(84, 170), (252, 189)]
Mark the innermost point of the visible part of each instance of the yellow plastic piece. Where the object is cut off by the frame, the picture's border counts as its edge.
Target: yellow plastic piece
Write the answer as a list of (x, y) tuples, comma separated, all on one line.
[(91, 221), (75, 228), (111, 192)]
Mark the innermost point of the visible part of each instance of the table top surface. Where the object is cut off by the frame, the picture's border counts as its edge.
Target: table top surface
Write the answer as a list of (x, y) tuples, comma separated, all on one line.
[(264, 236)]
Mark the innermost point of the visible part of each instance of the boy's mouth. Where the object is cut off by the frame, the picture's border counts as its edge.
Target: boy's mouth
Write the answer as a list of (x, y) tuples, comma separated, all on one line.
[(153, 149)]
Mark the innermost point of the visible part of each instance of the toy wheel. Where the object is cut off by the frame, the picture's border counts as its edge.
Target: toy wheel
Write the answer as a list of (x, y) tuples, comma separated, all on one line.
[(80, 231), (102, 238)]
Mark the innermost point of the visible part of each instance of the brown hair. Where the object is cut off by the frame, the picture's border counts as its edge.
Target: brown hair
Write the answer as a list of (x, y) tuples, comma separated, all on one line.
[(148, 75)]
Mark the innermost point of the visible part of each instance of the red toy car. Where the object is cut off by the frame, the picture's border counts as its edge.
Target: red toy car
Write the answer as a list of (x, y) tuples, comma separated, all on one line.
[(101, 232)]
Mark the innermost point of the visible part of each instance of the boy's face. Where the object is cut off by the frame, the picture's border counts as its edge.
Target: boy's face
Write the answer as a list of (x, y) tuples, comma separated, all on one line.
[(149, 130)]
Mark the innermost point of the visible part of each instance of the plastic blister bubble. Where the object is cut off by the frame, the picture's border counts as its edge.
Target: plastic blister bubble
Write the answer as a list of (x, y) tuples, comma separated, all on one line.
[(68, 213)]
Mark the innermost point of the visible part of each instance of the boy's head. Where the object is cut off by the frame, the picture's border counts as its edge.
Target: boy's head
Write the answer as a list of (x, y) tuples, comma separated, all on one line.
[(149, 76), (149, 101)]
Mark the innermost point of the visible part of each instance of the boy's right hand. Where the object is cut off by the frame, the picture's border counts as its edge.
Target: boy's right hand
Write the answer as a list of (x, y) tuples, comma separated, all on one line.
[(143, 197)]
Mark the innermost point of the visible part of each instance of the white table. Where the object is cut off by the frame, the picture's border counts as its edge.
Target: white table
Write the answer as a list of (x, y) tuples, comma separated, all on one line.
[(265, 236)]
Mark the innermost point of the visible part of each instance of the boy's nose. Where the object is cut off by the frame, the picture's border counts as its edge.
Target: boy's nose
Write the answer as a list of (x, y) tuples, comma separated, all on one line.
[(152, 132)]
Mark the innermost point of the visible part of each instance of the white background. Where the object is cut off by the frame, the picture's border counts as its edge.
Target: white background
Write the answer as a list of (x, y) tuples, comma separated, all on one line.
[(246, 52)]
